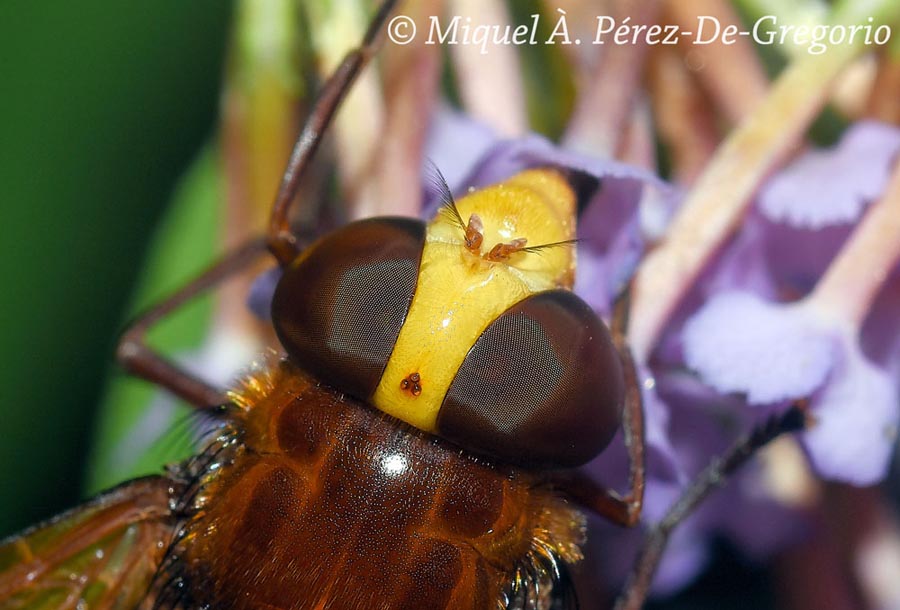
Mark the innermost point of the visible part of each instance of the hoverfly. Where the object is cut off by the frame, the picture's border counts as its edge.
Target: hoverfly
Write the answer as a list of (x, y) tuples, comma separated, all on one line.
[(416, 446)]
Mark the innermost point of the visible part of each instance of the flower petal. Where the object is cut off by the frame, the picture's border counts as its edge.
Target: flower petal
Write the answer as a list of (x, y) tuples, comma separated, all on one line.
[(455, 143), (880, 335), (856, 422), (832, 186), (739, 343), (508, 157), (259, 300), (611, 245), (687, 552)]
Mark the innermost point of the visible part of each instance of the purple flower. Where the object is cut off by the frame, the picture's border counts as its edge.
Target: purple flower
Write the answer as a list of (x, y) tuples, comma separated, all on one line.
[(747, 339), (259, 300), (828, 187), (773, 353), (754, 345), (856, 420), (612, 549), (455, 145), (703, 424), (739, 342)]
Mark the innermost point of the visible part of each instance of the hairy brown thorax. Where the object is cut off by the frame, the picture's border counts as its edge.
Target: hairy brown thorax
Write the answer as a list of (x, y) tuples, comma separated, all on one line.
[(327, 503)]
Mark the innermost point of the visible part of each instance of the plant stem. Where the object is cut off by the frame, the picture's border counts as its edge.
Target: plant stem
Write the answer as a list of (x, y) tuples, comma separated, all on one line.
[(607, 97), (732, 73), (723, 193), (490, 83), (853, 279)]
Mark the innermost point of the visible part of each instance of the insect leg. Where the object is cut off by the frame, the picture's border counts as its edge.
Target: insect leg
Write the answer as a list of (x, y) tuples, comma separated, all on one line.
[(133, 353), (282, 241), (139, 359), (583, 489), (627, 510), (712, 477), (623, 510)]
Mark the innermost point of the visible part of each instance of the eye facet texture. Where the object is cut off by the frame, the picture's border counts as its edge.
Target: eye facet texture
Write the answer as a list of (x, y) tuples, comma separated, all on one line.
[(542, 386), (339, 307)]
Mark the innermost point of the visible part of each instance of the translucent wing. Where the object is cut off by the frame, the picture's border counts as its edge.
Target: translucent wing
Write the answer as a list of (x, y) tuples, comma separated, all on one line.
[(102, 555)]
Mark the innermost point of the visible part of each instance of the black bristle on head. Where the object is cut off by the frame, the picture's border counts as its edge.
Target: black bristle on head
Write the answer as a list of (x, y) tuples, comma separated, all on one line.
[(435, 183)]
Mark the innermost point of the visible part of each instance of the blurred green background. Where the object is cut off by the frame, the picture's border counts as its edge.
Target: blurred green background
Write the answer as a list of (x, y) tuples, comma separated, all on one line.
[(103, 106)]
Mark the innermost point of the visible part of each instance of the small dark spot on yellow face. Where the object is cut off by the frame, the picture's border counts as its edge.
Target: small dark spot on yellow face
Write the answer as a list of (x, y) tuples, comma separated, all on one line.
[(411, 384)]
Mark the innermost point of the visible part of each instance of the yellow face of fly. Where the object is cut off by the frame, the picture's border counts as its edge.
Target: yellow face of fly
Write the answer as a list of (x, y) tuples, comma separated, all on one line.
[(463, 287)]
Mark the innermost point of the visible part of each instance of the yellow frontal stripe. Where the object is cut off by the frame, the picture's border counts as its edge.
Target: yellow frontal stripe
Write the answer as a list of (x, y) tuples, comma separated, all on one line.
[(459, 294), (452, 306)]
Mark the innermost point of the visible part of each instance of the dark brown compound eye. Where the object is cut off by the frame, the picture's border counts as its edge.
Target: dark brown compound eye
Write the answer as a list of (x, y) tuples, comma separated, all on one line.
[(339, 307), (542, 386)]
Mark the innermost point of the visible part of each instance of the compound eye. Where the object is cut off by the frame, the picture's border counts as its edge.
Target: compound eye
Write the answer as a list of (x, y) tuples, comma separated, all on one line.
[(542, 386), (339, 307)]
